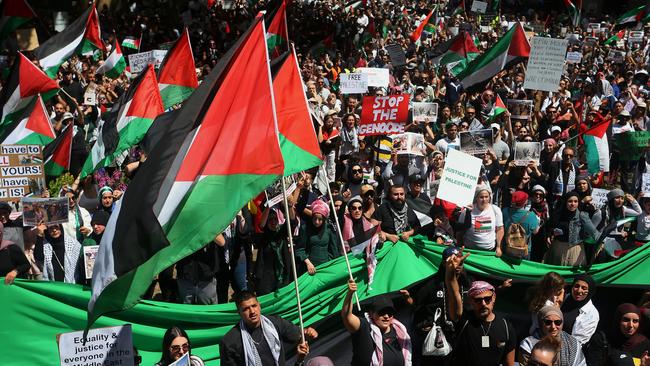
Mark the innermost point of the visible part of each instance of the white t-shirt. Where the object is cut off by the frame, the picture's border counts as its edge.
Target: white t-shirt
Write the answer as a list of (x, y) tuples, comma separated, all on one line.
[(445, 144), (482, 230)]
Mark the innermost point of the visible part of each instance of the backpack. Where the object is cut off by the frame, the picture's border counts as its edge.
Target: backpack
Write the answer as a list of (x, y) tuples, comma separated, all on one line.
[(517, 240)]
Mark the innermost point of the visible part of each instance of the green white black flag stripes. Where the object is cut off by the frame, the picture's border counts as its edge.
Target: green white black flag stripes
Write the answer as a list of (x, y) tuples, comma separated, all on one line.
[(196, 180), (114, 64)]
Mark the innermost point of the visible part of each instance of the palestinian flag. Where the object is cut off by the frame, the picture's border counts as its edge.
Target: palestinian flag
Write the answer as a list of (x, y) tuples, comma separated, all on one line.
[(83, 37), (460, 9), (177, 74), (597, 148), (615, 38), (32, 127), (127, 122), (114, 64), (498, 108), (510, 49), (277, 35), (461, 52), (204, 167), (58, 152), (298, 141), (634, 16), (25, 82), (417, 33), (573, 10), (15, 13), (131, 42)]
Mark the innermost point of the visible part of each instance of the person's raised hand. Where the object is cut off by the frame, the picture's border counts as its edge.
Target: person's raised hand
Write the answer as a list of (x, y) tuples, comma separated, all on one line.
[(352, 286), (311, 333)]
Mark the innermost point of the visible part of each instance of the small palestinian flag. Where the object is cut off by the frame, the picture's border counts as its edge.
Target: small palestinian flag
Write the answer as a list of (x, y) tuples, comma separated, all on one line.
[(461, 52), (573, 10), (634, 16), (277, 35), (204, 167), (417, 33), (82, 37), (58, 152), (615, 38), (32, 127), (15, 13), (597, 148), (460, 9), (127, 122), (177, 75), (114, 64), (131, 42), (498, 108), (25, 82)]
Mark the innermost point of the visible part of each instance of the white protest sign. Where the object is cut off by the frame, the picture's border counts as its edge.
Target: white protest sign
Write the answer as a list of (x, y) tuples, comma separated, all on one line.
[(138, 61), (599, 197), (546, 64), (104, 346), (354, 83), (573, 57), (158, 56), (479, 6), (593, 27), (376, 77), (459, 178), (635, 37), (645, 184)]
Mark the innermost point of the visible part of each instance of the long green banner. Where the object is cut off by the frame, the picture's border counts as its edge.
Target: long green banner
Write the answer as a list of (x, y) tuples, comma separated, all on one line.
[(33, 313)]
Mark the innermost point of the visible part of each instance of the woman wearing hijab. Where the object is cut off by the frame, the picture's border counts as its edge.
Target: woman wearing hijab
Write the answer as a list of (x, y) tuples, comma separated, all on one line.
[(59, 253), (13, 262), (625, 336), (356, 227), (619, 206), (580, 315), (583, 189), (317, 243), (567, 230), (551, 322), (106, 199)]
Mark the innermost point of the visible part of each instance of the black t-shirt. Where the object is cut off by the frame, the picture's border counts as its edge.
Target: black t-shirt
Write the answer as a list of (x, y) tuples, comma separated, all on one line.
[(363, 347), (468, 348), (384, 215)]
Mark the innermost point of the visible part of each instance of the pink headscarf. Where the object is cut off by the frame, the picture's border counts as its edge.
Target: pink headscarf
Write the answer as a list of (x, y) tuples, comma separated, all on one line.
[(320, 207)]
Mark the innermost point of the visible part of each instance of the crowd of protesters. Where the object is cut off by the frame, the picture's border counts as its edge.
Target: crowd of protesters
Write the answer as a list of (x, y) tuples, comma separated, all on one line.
[(546, 203)]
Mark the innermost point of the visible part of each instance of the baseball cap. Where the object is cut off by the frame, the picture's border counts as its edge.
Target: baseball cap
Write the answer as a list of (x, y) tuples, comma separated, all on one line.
[(417, 177), (519, 198), (449, 251), (625, 113), (556, 129), (495, 126), (367, 188), (538, 188), (382, 302), (67, 115)]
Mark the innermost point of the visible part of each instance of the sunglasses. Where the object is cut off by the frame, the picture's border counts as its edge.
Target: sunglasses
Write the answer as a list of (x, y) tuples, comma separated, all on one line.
[(487, 300), (355, 208), (548, 322), (567, 156), (356, 170), (177, 348)]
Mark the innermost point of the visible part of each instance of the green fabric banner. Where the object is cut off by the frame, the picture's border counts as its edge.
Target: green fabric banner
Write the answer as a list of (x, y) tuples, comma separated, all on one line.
[(633, 144), (34, 312)]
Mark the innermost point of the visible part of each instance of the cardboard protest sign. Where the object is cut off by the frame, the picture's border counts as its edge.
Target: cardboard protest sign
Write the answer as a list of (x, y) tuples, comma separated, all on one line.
[(183, 361), (90, 254), (139, 61), (599, 197), (476, 142), (616, 56), (49, 211), (593, 28), (573, 57), (21, 171), (384, 115), (546, 64), (103, 346), (459, 178), (634, 143), (274, 191), (355, 83), (90, 97), (425, 112), (525, 152), (376, 77), (409, 143), (479, 7), (645, 184), (397, 55), (520, 109), (635, 37)]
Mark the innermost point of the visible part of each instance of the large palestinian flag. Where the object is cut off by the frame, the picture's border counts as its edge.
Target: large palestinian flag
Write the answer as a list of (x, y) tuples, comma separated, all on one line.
[(127, 122), (461, 52), (31, 127), (82, 37), (417, 33), (510, 49), (57, 153), (632, 17), (597, 148), (25, 82), (15, 13), (298, 140), (177, 75), (219, 153), (115, 63), (277, 35)]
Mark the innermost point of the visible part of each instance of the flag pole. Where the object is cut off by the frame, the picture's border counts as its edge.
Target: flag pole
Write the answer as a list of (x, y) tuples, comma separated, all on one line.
[(140, 43), (340, 232), (260, 18)]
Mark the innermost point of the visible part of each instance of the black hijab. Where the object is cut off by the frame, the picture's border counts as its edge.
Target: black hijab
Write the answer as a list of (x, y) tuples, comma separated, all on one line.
[(571, 307)]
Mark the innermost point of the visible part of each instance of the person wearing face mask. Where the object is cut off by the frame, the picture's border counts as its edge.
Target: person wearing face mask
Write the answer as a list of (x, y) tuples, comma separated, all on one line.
[(567, 230), (625, 336), (551, 322), (482, 225), (317, 243), (580, 315)]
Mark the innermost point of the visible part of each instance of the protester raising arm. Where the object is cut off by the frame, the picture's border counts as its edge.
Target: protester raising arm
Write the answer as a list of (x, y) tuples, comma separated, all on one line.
[(350, 321)]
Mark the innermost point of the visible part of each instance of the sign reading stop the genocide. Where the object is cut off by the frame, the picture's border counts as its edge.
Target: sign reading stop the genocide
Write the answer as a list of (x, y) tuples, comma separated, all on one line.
[(384, 115)]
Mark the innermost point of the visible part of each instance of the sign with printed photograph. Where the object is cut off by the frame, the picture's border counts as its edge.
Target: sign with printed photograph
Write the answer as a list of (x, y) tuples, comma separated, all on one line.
[(526, 152), (21, 171), (48, 211), (274, 191), (409, 143), (425, 112), (476, 143), (520, 109), (384, 115), (90, 254)]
